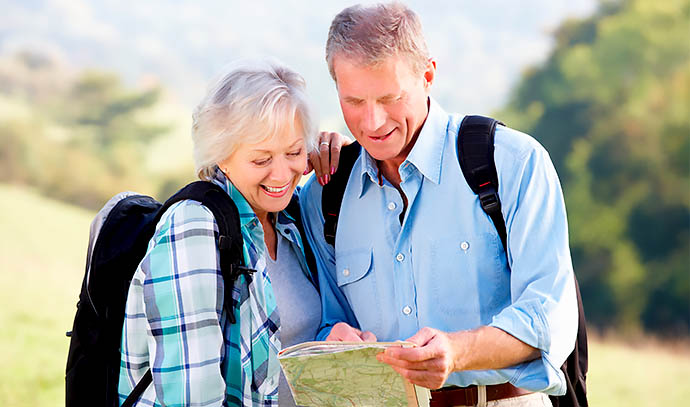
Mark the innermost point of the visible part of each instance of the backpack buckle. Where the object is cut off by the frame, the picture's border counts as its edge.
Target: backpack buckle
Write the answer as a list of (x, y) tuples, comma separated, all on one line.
[(237, 270), (488, 198), (224, 242)]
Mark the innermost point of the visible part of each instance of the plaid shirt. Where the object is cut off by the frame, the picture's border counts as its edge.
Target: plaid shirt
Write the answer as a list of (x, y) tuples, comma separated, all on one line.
[(175, 322)]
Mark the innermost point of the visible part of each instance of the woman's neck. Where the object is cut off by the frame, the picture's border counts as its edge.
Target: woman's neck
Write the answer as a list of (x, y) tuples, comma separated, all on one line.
[(270, 237)]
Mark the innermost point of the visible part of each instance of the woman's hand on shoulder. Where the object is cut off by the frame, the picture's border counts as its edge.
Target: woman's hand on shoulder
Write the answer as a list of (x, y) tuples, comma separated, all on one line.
[(324, 160)]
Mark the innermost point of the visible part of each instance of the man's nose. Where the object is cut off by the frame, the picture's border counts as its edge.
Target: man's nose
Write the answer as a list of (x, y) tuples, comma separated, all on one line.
[(374, 118)]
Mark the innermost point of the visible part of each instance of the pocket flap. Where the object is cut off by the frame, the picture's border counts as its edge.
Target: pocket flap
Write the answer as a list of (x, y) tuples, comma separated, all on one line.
[(353, 266)]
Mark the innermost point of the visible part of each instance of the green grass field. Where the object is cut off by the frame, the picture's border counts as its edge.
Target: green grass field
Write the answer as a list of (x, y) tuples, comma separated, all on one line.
[(42, 264)]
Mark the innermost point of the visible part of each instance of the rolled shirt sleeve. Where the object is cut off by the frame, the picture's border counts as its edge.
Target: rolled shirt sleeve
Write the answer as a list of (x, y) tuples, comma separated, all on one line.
[(543, 313)]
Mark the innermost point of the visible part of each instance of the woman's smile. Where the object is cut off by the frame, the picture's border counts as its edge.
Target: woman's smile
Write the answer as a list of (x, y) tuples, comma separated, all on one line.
[(276, 192)]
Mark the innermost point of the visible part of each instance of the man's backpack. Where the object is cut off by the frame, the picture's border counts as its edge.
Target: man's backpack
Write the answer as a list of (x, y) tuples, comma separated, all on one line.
[(476, 156), (118, 241)]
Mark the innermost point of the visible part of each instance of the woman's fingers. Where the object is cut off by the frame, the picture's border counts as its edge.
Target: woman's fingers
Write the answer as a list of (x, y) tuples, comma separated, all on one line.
[(325, 148), (326, 158)]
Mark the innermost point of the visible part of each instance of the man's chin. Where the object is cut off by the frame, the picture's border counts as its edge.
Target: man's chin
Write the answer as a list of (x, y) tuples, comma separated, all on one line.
[(381, 154)]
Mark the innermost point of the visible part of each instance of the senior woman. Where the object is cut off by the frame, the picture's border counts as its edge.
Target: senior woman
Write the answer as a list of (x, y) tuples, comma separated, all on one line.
[(252, 133)]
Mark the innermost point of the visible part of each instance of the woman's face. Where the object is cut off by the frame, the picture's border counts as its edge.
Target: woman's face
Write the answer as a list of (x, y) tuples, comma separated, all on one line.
[(266, 173)]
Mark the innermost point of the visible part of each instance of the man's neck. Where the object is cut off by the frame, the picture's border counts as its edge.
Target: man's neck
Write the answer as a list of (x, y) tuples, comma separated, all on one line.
[(390, 168)]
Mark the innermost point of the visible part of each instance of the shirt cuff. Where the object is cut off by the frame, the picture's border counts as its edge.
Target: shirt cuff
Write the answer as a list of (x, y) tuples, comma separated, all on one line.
[(539, 375), (526, 321)]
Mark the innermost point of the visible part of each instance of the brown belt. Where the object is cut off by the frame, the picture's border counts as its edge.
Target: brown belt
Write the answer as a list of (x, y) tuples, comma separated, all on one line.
[(467, 396)]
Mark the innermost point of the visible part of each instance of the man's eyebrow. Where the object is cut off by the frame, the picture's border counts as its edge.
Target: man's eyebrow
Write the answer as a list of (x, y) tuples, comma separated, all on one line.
[(351, 99), (390, 96), (387, 97)]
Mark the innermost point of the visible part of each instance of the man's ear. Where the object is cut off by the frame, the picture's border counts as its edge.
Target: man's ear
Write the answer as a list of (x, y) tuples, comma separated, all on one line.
[(429, 74)]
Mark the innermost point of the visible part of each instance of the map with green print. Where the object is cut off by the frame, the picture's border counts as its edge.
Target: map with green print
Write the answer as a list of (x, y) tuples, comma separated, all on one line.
[(347, 374)]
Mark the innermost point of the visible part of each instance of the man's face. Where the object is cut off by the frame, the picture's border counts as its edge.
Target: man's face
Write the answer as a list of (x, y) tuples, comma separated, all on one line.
[(385, 105)]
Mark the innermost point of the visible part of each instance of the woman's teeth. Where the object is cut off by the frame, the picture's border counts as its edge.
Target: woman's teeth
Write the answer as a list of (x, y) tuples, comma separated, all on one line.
[(275, 190)]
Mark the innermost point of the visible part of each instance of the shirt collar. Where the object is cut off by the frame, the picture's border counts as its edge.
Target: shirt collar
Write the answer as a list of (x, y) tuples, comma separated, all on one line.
[(426, 155), (247, 215)]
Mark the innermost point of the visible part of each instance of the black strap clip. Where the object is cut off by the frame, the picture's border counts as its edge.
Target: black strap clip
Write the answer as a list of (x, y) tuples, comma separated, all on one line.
[(236, 270), (224, 242), (330, 227), (488, 198)]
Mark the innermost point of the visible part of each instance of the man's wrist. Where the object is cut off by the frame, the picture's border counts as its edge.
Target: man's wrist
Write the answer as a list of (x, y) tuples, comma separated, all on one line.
[(460, 344)]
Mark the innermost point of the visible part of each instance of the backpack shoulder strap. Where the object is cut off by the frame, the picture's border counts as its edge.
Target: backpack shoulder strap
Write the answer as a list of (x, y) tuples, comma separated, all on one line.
[(476, 156), (293, 209), (230, 239), (332, 194)]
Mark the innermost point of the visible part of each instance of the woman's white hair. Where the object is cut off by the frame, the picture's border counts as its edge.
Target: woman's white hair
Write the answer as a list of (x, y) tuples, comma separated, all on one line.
[(253, 101)]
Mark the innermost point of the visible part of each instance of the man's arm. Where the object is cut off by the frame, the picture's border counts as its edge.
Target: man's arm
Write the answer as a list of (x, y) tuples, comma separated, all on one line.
[(439, 354), (334, 306)]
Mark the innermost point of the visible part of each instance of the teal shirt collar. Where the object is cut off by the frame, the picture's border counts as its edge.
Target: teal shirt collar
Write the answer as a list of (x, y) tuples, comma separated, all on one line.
[(247, 215)]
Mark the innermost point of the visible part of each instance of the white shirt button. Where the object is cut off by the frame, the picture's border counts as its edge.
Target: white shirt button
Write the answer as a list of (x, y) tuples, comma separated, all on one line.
[(391, 206), (346, 272), (407, 310), (464, 245), (400, 257)]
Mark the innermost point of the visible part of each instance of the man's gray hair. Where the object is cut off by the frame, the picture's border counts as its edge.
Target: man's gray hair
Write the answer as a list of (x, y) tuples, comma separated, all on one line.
[(253, 101), (370, 34)]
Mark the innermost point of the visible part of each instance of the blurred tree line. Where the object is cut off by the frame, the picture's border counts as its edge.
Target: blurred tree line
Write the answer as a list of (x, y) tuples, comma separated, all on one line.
[(77, 137), (612, 106)]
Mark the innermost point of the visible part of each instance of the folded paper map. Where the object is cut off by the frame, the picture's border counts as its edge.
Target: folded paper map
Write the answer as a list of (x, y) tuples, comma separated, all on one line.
[(334, 374)]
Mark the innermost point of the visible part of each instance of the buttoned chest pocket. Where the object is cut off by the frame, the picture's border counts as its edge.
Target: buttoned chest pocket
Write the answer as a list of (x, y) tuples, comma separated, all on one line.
[(470, 275), (356, 278)]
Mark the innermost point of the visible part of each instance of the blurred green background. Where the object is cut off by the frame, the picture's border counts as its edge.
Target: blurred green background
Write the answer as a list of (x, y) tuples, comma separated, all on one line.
[(604, 86)]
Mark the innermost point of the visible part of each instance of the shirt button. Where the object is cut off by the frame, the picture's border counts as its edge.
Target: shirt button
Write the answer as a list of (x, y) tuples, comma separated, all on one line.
[(346, 272), (464, 245), (400, 257), (391, 206), (407, 310)]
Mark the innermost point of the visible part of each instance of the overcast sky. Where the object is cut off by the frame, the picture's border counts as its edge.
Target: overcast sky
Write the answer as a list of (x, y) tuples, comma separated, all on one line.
[(480, 47)]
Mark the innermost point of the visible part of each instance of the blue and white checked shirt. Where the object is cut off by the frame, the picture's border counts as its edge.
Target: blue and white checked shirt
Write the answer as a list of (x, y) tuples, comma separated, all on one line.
[(445, 267), (175, 322)]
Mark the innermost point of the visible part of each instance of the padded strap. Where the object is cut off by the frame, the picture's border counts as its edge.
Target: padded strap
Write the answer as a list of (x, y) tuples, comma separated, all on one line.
[(229, 233), (332, 194), (476, 156)]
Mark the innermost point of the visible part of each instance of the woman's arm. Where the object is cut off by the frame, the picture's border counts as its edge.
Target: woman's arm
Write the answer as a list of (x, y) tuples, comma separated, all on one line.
[(183, 302)]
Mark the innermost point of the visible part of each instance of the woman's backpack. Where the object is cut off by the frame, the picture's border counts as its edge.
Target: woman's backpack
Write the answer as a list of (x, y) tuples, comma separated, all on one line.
[(119, 237)]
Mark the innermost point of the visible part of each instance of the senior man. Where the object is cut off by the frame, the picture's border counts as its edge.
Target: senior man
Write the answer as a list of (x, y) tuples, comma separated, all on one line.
[(415, 256)]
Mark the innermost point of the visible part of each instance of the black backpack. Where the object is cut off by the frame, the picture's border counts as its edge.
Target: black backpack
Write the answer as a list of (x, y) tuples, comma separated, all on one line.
[(476, 156), (120, 234)]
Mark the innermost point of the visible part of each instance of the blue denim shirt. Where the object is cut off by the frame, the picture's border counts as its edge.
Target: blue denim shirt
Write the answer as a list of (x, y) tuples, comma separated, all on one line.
[(445, 266)]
